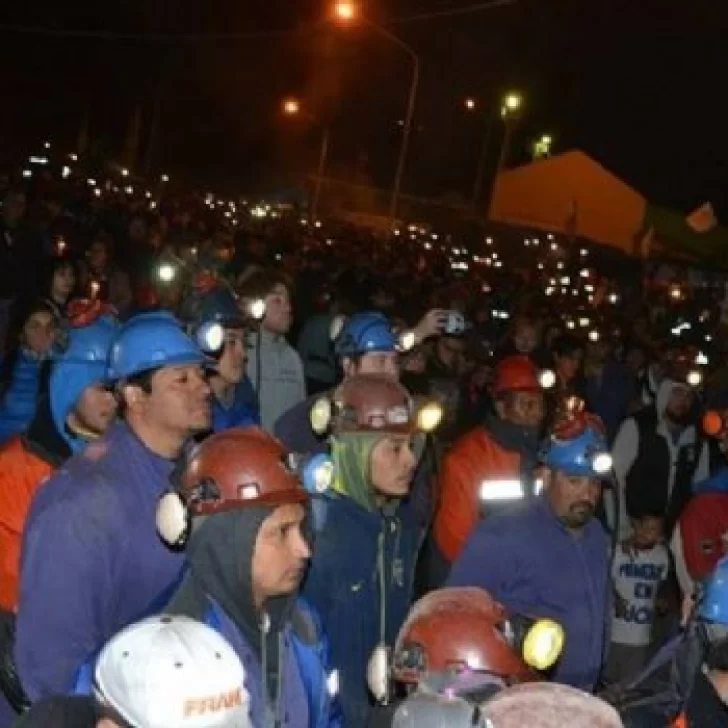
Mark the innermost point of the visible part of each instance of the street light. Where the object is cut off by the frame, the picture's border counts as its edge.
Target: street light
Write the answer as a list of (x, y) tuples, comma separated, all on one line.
[(347, 11), (470, 104), (511, 104), (510, 110), (292, 107)]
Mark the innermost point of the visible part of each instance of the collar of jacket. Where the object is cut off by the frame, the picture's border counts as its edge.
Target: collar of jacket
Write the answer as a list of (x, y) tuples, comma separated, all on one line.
[(523, 440)]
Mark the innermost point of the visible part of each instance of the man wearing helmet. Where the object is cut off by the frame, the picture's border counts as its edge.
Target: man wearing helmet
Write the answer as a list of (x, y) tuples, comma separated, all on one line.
[(77, 410), (365, 345), (457, 649), (163, 672), (367, 533), (492, 465), (658, 454), (549, 557), (218, 323), (244, 512), (92, 562)]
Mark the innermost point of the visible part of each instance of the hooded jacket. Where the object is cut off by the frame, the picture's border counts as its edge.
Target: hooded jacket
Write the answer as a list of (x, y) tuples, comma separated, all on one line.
[(496, 452), (527, 560), (361, 577), (18, 403), (283, 650), (652, 466), (92, 562)]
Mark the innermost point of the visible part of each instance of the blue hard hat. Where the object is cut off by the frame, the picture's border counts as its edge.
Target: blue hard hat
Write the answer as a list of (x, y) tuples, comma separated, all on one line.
[(81, 364), (220, 306), (714, 604), (586, 454), (150, 341), (365, 333)]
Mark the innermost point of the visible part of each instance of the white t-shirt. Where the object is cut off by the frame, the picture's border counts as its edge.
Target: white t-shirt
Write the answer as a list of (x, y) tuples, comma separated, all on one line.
[(636, 580)]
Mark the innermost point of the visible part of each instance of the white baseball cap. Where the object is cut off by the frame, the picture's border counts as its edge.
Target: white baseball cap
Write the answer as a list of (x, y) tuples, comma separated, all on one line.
[(173, 672)]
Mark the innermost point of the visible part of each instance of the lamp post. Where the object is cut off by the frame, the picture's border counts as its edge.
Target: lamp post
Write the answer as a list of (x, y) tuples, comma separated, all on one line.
[(471, 105), (292, 107), (347, 12), (510, 109)]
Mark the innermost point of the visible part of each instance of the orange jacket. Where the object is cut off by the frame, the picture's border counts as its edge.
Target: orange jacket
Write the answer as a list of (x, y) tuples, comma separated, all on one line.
[(680, 722), (21, 473), (474, 459)]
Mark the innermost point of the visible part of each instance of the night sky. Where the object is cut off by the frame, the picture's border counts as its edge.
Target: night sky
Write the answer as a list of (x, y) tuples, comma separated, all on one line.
[(638, 84)]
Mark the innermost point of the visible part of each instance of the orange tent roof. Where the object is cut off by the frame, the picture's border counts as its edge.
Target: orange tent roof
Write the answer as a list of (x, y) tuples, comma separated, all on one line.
[(570, 193)]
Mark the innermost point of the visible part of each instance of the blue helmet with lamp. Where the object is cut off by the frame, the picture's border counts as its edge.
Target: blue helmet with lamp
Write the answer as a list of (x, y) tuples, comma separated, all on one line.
[(365, 333), (578, 452), (151, 341), (82, 363), (713, 606), (210, 313)]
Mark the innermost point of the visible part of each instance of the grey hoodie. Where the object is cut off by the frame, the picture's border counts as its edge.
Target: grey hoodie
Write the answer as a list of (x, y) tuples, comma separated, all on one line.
[(280, 384)]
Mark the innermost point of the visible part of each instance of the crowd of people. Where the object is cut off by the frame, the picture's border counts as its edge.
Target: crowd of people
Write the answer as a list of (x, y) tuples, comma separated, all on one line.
[(263, 470)]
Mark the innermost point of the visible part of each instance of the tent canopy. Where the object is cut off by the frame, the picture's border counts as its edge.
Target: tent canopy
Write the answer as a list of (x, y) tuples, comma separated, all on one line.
[(573, 194)]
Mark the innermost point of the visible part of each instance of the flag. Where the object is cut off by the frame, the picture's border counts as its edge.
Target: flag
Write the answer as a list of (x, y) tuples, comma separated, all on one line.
[(703, 219), (645, 244)]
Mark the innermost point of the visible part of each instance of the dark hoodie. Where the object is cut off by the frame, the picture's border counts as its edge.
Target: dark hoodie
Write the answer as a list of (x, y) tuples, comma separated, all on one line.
[(217, 589)]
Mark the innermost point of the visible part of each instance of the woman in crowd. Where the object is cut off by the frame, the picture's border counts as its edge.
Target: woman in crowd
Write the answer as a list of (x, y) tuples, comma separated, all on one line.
[(31, 337)]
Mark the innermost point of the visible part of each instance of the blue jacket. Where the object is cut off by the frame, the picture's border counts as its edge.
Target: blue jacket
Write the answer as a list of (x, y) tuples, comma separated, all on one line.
[(610, 395), (18, 405), (293, 429), (92, 562), (527, 560), (716, 483), (306, 699), (343, 584), (242, 413)]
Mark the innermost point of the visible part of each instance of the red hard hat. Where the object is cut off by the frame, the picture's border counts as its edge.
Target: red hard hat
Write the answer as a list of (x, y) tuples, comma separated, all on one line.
[(239, 468), (516, 374), (457, 628), (372, 403)]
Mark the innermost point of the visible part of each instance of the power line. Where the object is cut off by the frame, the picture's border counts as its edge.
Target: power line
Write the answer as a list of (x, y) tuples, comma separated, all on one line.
[(45, 31)]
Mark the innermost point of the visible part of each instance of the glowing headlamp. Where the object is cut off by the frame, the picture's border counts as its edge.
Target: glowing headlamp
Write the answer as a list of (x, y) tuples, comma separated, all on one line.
[(543, 644), (320, 415), (406, 341), (429, 417), (547, 378), (316, 473), (166, 272), (694, 377), (256, 309), (602, 463), (211, 337)]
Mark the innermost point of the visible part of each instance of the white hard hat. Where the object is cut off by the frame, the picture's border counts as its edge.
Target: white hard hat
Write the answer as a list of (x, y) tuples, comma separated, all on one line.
[(173, 672)]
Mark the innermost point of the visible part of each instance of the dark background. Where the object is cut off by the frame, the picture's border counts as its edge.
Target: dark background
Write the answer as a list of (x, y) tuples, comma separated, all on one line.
[(638, 84)]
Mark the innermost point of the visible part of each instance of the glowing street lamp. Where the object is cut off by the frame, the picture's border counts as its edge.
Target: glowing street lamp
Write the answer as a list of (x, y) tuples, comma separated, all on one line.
[(291, 107), (470, 104), (346, 11), (512, 103)]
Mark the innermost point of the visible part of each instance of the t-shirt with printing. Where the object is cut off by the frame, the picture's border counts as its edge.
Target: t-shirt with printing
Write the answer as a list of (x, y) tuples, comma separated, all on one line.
[(636, 579)]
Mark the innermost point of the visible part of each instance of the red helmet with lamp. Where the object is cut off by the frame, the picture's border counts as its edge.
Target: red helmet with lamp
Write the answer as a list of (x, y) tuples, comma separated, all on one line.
[(518, 373), (461, 630), (231, 470)]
